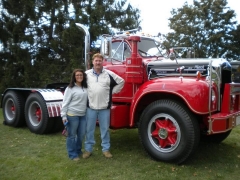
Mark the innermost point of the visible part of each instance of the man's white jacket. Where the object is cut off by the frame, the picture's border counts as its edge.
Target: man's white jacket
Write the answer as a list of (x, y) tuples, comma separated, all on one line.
[(101, 87)]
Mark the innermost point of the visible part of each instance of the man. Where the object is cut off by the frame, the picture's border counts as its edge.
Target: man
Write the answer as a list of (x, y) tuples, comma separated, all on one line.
[(102, 83)]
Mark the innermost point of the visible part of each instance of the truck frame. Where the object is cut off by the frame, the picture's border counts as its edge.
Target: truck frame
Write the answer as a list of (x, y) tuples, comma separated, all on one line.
[(174, 102)]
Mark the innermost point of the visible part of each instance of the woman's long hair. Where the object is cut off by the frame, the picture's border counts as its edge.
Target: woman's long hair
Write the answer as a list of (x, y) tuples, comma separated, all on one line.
[(73, 78)]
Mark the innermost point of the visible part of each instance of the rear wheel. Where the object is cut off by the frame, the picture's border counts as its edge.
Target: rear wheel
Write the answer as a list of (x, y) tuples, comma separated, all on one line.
[(13, 108), (168, 131), (36, 114)]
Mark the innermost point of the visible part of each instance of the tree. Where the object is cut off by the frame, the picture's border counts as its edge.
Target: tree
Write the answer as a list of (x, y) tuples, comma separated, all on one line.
[(14, 54), (41, 43), (206, 26), (101, 16), (235, 45)]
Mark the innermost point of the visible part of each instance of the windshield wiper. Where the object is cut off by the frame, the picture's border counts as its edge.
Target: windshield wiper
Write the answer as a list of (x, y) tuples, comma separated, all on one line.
[(144, 52), (147, 54)]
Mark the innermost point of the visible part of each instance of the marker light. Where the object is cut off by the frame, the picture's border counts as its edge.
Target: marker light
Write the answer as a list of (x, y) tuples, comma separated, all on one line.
[(214, 99), (199, 75)]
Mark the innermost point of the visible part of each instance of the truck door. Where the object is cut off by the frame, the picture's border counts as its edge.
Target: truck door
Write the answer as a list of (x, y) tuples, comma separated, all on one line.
[(117, 63)]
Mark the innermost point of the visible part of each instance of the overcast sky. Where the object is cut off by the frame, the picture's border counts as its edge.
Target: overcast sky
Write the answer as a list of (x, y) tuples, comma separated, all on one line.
[(155, 13)]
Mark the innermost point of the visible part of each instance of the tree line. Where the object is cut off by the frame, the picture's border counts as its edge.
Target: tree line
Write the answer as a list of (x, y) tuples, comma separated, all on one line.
[(40, 43), (208, 26)]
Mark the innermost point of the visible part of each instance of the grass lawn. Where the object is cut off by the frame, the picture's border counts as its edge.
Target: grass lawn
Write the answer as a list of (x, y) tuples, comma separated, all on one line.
[(27, 156)]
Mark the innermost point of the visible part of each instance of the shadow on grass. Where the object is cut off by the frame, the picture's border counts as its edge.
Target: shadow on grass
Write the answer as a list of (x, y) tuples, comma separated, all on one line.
[(215, 154), (123, 142), (127, 141)]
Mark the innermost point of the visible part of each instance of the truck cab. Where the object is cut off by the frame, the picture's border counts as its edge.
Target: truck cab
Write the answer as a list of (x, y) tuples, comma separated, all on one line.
[(173, 101)]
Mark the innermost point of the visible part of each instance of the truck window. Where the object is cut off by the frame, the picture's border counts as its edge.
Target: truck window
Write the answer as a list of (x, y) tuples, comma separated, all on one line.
[(127, 52), (120, 51), (148, 47), (117, 51)]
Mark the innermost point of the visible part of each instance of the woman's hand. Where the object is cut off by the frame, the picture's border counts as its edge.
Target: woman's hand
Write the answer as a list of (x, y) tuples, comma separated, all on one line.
[(65, 121)]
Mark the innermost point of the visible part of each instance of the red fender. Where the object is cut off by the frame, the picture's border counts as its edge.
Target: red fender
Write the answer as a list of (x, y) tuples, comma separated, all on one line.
[(194, 92)]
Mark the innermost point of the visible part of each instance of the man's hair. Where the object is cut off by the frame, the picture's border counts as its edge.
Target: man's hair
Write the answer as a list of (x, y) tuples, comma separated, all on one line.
[(97, 55)]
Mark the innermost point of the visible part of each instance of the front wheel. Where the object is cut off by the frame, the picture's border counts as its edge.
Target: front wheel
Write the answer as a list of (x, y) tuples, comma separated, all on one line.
[(36, 114), (168, 131)]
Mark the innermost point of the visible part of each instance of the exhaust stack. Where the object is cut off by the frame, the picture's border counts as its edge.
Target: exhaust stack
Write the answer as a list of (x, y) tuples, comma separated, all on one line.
[(87, 44)]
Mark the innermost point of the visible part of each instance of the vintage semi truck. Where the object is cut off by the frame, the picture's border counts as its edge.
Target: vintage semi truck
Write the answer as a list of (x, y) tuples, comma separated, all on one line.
[(174, 102)]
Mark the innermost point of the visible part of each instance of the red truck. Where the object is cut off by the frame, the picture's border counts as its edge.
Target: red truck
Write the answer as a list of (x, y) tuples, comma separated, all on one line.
[(174, 102)]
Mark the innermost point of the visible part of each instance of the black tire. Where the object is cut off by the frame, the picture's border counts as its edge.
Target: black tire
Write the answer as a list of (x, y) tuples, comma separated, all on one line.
[(13, 108), (36, 115), (215, 138), (168, 131)]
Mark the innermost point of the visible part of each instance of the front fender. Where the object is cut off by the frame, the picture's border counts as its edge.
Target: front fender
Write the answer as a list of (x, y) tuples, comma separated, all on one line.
[(195, 93)]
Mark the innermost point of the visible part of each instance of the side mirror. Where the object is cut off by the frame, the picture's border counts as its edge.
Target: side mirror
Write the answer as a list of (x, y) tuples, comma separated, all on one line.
[(106, 46)]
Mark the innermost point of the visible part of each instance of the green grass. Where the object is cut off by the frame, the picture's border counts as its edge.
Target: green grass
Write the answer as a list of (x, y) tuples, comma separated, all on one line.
[(24, 155)]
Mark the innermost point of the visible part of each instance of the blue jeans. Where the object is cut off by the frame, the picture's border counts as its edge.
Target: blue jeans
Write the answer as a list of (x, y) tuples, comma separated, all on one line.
[(103, 117), (76, 128)]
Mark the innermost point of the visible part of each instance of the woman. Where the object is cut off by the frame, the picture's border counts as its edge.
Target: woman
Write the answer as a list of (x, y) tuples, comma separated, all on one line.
[(73, 113)]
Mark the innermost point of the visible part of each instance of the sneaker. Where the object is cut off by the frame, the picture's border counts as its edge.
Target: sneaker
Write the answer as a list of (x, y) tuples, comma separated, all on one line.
[(107, 154), (86, 155), (76, 159)]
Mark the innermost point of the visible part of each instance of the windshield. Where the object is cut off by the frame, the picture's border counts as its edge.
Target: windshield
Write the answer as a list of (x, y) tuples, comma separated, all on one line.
[(148, 48)]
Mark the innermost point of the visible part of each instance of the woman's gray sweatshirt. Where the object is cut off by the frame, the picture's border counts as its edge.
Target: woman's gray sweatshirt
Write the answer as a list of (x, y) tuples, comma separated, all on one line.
[(74, 102)]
